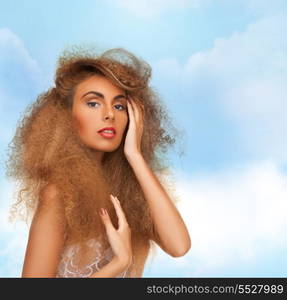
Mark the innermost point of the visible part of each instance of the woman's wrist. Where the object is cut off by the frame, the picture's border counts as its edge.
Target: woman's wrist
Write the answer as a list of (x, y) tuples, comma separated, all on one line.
[(112, 269), (122, 262)]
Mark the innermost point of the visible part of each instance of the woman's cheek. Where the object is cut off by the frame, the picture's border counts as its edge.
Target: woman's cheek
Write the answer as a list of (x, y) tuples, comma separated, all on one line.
[(75, 122), (80, 125)]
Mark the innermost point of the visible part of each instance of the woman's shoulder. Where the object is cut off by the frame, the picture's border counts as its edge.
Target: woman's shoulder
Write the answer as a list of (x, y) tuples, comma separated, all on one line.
[(50, 190), (49, 194)]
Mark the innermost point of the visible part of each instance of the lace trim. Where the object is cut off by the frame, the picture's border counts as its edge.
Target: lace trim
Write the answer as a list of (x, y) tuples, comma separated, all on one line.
[(67, 267)]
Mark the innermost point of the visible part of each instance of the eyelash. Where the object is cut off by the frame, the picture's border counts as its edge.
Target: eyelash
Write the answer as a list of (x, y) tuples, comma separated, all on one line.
[(98, 103)]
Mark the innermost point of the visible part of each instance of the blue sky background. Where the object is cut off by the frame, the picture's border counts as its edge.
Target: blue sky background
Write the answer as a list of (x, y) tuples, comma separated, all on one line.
[(221, 69)]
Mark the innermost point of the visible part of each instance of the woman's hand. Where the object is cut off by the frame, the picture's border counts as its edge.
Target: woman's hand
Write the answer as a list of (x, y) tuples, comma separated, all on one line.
[(119, 239), (134, 135)]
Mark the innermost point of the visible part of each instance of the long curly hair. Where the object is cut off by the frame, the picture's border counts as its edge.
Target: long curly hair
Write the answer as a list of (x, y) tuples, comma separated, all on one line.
[(45, 149)]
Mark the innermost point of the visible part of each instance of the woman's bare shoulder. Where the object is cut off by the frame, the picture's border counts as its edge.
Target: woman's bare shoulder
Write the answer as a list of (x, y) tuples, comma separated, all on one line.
[(46, 236), (49, 194), (50, 190)]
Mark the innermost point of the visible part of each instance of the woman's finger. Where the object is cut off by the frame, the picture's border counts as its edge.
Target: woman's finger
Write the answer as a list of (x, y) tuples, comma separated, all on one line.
[(105, 218), (138, 110), (120, 213), (118, 208), (136, 113), (131, 112)]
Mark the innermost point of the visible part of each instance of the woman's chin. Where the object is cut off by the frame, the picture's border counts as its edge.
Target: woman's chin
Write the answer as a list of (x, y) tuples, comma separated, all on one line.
[(111, 148)]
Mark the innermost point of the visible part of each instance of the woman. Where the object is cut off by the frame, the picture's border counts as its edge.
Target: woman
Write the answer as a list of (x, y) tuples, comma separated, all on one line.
[(85, 154)]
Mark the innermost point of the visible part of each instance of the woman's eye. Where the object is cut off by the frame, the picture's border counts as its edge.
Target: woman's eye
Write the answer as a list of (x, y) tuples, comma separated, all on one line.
[(123, 107), (118, 106), (91, 104)]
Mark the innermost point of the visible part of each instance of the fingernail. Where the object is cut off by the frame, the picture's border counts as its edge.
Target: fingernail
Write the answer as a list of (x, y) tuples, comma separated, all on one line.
[(106, 212)]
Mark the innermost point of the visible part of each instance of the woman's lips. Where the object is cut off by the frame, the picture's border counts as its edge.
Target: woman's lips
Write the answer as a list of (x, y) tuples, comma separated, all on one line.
[(107, 135)]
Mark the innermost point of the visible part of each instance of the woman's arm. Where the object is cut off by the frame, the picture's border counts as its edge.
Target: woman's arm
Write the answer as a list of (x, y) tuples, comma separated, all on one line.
[(46, 236), (171, 233)]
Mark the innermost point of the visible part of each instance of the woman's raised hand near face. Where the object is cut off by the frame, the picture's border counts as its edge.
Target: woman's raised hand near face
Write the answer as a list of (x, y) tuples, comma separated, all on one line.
[(135, 131), (119, 239)]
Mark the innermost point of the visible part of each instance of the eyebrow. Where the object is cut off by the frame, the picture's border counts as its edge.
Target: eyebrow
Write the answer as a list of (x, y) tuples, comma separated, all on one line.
[(100, 95)]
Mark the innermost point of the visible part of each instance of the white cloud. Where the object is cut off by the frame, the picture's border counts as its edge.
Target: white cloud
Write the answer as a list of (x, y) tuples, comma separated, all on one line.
[(234, 218), (13, 236), (17, 65), (245, 77), (237, 217), (21, 79)]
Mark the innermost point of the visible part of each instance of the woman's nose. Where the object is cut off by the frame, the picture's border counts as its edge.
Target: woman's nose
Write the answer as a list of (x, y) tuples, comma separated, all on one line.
[(109, 114)]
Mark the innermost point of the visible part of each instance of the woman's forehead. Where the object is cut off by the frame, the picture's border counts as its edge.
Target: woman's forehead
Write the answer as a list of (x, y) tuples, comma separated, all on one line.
[(100, 83)]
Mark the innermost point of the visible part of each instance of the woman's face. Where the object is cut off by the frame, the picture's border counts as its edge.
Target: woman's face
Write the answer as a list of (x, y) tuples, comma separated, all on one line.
[(97, 104)]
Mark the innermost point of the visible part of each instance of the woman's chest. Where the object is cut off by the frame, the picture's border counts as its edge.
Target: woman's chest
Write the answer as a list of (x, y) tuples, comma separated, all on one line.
[(95, 258)]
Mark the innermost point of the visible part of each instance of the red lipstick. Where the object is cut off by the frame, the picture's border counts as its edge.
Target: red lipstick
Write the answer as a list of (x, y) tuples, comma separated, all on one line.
[(107, 132)]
